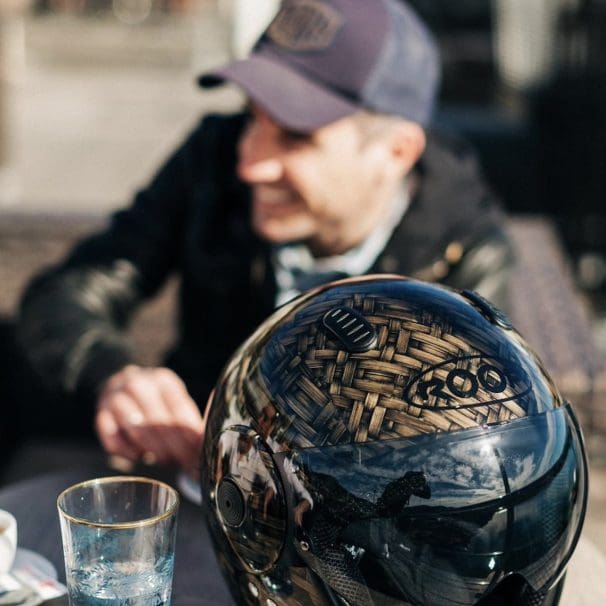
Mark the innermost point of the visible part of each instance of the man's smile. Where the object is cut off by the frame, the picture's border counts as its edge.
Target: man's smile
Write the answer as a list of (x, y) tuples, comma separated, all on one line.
[(271, 200)]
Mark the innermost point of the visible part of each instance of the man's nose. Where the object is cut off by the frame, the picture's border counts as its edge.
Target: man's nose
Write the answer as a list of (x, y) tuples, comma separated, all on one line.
[(259, 159)]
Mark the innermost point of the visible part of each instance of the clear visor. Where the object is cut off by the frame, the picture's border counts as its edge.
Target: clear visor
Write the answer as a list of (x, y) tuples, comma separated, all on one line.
[(441, 519)]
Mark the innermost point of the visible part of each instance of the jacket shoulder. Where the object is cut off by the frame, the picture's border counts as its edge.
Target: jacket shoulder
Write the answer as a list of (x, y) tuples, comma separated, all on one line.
[(452, 156), (218, 128)]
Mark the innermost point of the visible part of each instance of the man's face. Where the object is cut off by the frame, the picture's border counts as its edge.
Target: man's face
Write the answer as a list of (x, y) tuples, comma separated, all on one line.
[(328, 188)]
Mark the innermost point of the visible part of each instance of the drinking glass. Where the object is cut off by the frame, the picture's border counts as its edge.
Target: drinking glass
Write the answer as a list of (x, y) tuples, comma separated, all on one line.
[(119, 541)]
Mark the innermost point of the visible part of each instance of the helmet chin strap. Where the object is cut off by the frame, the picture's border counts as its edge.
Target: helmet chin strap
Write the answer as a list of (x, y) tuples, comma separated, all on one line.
[(518, 593)]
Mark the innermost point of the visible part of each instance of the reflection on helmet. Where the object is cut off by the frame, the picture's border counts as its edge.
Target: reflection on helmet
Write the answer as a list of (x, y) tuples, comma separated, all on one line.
[(386, 441)]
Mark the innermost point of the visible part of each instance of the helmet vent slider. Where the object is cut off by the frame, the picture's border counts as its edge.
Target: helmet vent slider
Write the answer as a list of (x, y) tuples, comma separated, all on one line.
[(354, 331), (487, 309)]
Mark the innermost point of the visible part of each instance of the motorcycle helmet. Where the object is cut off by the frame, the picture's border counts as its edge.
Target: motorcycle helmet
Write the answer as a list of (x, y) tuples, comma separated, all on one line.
[(383, 441)]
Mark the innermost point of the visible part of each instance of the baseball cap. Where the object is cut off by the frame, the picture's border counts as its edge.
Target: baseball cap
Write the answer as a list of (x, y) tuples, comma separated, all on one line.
[(321, 60)]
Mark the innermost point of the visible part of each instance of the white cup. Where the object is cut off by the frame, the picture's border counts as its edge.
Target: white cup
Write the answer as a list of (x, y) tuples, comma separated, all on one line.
[(8, 540)]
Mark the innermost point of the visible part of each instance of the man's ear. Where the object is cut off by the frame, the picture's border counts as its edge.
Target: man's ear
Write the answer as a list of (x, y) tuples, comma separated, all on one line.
[(407, 143)]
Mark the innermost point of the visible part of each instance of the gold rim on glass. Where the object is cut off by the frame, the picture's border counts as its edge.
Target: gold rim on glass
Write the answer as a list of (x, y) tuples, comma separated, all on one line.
[(119, 479)]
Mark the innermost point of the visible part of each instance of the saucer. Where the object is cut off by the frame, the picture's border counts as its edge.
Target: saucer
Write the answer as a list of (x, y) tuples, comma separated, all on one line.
[(27, 559)]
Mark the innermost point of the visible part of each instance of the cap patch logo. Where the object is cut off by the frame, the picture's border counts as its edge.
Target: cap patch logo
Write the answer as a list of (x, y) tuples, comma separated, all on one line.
[(305, 25)]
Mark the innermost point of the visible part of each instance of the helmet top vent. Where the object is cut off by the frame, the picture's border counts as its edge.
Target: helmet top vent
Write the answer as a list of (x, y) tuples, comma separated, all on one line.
[(355, 332)]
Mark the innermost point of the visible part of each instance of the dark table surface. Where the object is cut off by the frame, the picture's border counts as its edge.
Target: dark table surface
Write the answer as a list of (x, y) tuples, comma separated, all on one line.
[(197, 579)]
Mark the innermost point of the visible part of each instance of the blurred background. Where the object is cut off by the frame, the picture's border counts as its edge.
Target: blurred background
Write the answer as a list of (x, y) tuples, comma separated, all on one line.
[(95, 93)]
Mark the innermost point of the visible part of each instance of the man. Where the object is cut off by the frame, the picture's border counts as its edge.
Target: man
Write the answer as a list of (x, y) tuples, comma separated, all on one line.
[(330, 173)]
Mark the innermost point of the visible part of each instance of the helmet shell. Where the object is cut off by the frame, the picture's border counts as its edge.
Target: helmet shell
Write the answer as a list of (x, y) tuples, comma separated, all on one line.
[(389, 441)]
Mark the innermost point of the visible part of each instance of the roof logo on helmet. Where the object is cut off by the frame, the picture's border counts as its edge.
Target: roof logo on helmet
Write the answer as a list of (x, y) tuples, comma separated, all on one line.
[(466, 382), (354, 331)]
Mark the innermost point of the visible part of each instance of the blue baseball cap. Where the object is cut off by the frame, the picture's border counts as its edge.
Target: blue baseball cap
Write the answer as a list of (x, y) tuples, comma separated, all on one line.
[(322, 60)]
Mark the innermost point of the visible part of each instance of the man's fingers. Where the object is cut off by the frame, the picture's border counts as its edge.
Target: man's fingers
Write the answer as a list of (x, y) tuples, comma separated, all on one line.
[(180, 404), (134, 422), (154, 433), (114, 441), (117, 380), (144, 390), (154, 414), (186, 415)]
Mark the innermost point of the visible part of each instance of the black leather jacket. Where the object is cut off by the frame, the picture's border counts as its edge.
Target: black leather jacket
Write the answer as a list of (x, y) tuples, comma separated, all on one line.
[(194, 219)]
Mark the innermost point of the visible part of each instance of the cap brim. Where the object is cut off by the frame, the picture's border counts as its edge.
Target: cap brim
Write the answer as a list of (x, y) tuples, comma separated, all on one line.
[(290, 98)]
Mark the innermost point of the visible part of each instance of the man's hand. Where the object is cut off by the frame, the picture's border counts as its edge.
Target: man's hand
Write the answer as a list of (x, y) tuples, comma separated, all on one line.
[(147, 413)]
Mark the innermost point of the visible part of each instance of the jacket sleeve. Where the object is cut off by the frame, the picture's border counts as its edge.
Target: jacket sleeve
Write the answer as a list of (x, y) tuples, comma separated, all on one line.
[(474, 218), (487, 268), (72, 316)]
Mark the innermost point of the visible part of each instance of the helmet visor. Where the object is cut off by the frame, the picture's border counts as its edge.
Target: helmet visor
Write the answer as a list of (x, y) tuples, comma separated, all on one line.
[(441, 519)]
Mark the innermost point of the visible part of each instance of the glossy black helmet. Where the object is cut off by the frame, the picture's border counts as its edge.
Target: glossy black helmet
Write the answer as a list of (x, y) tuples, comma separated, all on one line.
[(385, 441)]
